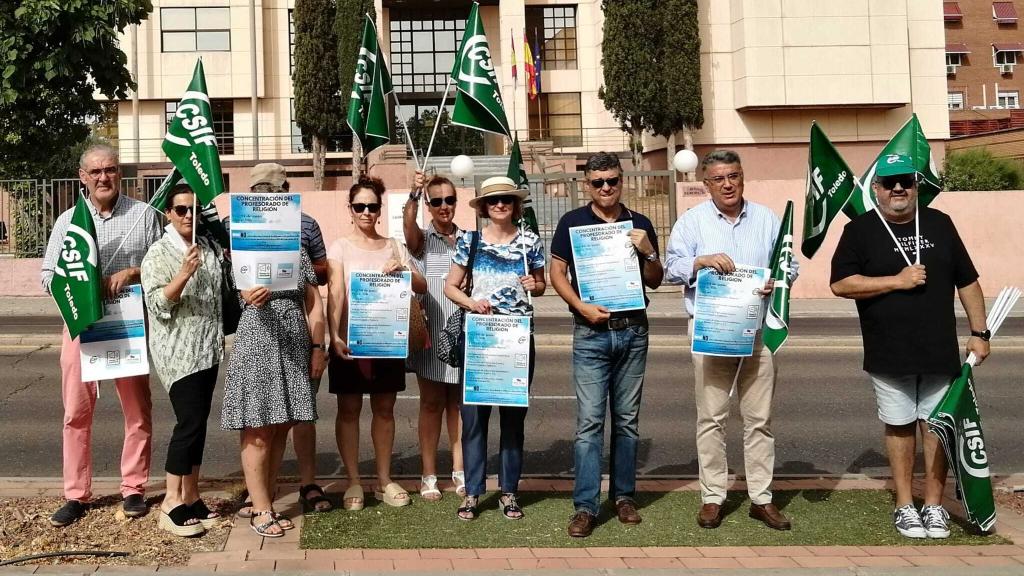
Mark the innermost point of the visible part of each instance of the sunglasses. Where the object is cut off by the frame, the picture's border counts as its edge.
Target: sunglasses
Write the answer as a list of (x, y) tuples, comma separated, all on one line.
[(360, 207), (599, 183), (449, 200), (495, 200), (906, 181), (182, 210)]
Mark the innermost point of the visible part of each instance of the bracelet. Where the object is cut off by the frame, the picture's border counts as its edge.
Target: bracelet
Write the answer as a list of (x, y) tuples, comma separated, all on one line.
[(321, 346)]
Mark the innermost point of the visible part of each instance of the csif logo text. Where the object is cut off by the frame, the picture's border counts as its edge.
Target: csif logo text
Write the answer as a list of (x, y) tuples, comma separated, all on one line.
[(971, 450)]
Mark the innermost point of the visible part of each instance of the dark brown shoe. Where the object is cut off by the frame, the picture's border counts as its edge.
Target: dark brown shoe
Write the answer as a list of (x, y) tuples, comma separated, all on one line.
[(582, 524), (628, 514), (710, 516), (770, 515)]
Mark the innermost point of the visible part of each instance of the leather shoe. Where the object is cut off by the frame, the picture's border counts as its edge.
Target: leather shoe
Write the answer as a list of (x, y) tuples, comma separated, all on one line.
[(582, 524), (710, 516), (627, 512), (770, 515)]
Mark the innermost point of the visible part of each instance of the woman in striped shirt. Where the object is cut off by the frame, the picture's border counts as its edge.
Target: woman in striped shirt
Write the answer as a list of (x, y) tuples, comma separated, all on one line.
[(440, 393)]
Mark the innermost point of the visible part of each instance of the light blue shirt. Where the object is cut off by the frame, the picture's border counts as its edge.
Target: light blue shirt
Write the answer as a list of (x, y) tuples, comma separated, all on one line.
[(704, 230)]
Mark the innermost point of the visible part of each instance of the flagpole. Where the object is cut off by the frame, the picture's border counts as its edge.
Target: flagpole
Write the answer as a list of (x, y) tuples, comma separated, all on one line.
[(405, 128), (437, 120), (195, 213), (515, 124), (139, 219)]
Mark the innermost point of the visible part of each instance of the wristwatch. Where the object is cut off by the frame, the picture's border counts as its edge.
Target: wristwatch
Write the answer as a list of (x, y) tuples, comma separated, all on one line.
[(415, 195), (321, 346), (985, 334)]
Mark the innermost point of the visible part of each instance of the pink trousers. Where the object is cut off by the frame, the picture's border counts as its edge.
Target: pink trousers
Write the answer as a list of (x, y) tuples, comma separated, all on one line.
[(79, 404)]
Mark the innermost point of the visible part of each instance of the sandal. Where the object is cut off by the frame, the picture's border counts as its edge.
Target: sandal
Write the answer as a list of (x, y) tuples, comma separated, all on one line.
[(510, 507), (177, 521), (428, 488), (264, 528), (283, 521), (245, 511), (208, 518), (459, 479), (393, 495), (353, 498), (468, 510), (313, 504)]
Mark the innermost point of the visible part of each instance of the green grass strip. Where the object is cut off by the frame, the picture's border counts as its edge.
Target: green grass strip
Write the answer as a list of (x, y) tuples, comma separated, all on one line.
[(820, 518)]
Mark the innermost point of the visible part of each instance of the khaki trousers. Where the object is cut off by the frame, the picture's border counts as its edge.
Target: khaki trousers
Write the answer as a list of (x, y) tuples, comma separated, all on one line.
[(755, 385)]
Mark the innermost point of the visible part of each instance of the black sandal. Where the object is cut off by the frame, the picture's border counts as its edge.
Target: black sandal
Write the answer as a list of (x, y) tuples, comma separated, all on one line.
[(310, 504), (468, 510), (510, 507), (177, 522), (207, 517)]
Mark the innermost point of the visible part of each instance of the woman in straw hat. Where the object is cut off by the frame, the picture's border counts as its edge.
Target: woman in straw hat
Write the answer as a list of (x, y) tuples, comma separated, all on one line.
[(508, 267)]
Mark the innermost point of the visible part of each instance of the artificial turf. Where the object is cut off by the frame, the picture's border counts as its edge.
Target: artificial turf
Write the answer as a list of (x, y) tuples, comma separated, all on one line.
[(820, 518)]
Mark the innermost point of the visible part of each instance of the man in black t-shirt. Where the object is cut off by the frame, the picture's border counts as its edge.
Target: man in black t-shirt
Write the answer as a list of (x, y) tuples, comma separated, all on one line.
[(901, 264)]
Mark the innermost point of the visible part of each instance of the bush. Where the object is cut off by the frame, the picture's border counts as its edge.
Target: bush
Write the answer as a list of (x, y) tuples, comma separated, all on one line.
[(980, 170)]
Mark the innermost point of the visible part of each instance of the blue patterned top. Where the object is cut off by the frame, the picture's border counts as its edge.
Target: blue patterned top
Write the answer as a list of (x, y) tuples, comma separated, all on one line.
[(497, 268)]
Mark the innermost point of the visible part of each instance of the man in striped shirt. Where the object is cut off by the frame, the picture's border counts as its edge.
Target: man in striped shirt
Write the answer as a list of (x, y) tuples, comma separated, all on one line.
[(115, 216), (721, 233)]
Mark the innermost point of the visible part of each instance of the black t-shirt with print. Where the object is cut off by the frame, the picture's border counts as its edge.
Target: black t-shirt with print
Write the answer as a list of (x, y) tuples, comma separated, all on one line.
[(907, 331)]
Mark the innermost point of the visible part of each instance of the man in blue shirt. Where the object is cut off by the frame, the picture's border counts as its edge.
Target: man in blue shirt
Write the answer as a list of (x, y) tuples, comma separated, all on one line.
[(609, 351), (721, 233)]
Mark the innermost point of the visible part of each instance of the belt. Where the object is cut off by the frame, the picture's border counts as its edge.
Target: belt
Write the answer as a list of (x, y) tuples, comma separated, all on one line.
[(620, 323)]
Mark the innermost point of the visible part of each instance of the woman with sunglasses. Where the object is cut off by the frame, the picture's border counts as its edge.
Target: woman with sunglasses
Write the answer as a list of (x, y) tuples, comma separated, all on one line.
[(508, 266), (440, 393), (350, 378), (182, 284)]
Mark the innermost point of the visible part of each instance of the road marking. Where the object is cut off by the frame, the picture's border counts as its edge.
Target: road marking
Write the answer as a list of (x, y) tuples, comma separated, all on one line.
[(416, 397)]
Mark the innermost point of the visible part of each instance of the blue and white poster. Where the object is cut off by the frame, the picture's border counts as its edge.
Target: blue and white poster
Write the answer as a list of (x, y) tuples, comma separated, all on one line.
[(266, 234), (496, 370), (727, 311), (115, 346), (378, 314), (606, 267)]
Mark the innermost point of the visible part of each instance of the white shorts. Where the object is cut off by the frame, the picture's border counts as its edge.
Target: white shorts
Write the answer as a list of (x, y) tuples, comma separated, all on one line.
[(903, 399)]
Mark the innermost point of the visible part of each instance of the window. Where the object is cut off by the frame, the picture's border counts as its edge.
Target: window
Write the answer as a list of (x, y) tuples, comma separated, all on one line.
[(557, 117), (954, 59), (423, 47), (556, 26), (291, 41), (195, 29), (223, 116), (955, 100), (1006, 57), (1008, 99)]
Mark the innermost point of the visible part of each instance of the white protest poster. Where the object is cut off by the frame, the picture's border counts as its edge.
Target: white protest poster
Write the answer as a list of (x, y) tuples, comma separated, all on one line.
[(394, 203), (727, 311), (378, 314), (266, 235), (115, 345), (606, 267)]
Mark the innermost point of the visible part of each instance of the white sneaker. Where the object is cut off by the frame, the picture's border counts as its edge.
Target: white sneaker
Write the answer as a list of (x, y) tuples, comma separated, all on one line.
[(908, 522), (936, 521)]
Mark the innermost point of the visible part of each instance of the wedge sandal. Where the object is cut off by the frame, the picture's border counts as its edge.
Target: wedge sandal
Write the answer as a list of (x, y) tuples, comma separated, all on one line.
[(176, 522)]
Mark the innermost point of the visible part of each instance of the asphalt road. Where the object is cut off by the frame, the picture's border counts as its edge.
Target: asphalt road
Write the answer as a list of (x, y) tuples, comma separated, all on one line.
[(824, 419)]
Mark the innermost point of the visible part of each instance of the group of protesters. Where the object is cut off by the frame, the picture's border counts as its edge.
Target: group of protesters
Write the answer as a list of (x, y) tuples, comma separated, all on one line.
[(285, 341)]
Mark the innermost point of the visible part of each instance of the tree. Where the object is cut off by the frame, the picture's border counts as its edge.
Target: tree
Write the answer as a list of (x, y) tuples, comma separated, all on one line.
[(348, 28), (314, 79), (651, 60), (54, 58), (980, 170)]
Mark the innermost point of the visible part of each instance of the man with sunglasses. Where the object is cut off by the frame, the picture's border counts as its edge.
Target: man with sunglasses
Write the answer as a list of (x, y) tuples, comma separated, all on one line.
[(609, 352), (113, 215), (905, 302), (721, 233)]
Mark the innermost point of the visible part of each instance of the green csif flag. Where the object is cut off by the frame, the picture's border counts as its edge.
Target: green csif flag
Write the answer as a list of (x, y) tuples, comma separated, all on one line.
[(209, 223), (958, 425), (830, 182), (478, 99), (77, 285), (190, 143), (908, 141), (776, 322), (368, 109), (517, 172)]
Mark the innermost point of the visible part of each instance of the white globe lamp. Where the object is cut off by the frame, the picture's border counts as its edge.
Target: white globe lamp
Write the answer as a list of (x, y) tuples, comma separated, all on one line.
[(462, 166), (685, 161)]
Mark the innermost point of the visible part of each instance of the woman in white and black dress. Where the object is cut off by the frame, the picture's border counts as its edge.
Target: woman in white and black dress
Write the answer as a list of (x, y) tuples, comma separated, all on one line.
[(440, 390)]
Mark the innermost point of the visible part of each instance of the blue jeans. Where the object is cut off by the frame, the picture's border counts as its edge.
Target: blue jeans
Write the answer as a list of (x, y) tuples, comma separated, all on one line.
[(475, 419), (607, 364)]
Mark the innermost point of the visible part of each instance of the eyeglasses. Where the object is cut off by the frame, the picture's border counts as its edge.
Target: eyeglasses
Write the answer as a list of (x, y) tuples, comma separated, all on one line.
[(599, 183), (495, 200), (449, 200), (360, 207), (733, 178), (95, 173), (182, 210), (906, 181)]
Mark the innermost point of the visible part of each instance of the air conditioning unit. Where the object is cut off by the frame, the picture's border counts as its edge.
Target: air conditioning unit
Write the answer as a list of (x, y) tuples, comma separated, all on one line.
[(1006, 68), (950, 69)]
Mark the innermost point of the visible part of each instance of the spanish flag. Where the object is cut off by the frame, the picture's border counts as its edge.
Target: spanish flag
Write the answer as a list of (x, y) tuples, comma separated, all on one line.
[(531, 70)]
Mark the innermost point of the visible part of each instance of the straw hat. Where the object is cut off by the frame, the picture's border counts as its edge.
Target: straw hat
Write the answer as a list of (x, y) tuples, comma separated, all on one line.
[(498, 186), (267, 173)]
